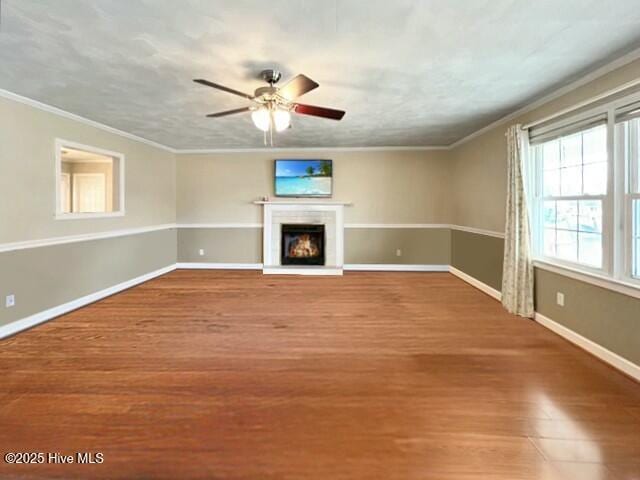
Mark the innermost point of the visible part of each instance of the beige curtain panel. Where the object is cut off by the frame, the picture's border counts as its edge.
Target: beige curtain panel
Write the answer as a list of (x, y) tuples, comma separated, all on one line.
[(517, 273)]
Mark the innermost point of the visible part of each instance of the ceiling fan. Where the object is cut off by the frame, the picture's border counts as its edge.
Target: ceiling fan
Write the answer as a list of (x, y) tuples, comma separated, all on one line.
[(273, 104)]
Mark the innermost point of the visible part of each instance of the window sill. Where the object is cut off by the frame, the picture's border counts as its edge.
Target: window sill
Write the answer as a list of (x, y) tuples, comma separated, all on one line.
[(80, 216), (620, 286)]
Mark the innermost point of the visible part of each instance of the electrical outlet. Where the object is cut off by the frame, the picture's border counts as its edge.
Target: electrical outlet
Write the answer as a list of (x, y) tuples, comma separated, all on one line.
[(560, 299), (201, 252), (10, 301), (398, 253)]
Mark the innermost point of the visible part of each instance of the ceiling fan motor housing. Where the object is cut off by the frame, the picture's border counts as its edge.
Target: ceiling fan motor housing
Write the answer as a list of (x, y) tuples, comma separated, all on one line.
[(271, 76)]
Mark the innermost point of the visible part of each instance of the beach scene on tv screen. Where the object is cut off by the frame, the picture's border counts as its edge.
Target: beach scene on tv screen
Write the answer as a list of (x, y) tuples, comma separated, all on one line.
[(303, 177)]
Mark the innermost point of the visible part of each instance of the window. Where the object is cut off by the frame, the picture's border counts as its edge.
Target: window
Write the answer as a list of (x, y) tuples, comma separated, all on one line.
[(90, 181), (628, 138), (573, 189), (584, 173), (636, 239)]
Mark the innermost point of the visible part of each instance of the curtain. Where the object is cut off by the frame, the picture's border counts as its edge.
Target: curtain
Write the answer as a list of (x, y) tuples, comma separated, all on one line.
[(517, 269)]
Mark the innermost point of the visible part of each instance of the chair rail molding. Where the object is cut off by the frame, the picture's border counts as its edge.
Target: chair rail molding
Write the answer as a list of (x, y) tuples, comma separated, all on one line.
[(83, 237)]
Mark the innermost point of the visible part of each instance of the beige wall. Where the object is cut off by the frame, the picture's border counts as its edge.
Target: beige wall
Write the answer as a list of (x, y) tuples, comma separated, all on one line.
[(479, 166), (608, 318), (220, 245), (386, 186), (478, 182), (45, 277), (27, 176), (418, 246), (479, 256)]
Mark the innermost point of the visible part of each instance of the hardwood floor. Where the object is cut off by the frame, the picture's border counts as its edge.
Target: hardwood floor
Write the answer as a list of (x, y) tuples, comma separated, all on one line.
[(236, 375)]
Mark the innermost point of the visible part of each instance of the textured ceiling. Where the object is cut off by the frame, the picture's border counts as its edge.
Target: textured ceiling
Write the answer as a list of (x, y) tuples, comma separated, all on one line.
[(420, 72)]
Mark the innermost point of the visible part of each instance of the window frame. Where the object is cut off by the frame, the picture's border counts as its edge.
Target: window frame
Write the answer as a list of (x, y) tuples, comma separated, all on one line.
[(120, 157), (538, 200), (617, 206), (631, 162)]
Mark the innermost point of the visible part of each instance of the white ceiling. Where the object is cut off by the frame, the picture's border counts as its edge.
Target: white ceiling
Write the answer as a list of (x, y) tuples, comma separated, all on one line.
[(408, 72)]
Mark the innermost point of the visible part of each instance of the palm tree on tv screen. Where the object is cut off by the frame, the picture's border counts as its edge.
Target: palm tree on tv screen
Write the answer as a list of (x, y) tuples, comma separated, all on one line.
[(325, 169)]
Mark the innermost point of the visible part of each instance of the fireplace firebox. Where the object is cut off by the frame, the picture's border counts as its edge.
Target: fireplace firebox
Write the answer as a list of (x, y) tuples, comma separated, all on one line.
[(302, 244)]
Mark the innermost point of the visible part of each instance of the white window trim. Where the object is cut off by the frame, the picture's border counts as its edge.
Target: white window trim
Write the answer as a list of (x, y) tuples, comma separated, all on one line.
[(59, 214), (629, 288), (617, 253)]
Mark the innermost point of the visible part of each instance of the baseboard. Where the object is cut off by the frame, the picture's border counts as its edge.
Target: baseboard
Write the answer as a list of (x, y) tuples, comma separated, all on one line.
[(492, 292), (590, 346), (607, 356), (41, 317), (219, 266), (389, 267), (354, 266)]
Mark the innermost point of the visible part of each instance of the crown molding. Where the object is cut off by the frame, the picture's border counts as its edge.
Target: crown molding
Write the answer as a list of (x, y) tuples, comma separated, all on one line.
[(72, 116), (589, 77), (205, 151)]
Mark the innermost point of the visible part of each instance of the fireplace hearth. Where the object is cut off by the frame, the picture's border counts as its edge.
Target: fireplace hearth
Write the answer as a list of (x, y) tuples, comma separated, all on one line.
[(302, 244)]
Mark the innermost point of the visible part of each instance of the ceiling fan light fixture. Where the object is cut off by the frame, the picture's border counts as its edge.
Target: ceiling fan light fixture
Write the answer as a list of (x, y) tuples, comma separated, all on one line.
[(281, 119), (261, 119)]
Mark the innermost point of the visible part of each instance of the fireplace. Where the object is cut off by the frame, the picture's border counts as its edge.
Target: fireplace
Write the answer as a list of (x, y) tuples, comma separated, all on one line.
[(302, 244)]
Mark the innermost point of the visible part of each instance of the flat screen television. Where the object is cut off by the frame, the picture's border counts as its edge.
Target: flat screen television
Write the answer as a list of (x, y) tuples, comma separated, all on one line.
[(303, 178)]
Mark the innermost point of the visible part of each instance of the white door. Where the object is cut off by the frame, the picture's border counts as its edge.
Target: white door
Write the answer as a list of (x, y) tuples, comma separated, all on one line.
[(89, 192), (65, 193)]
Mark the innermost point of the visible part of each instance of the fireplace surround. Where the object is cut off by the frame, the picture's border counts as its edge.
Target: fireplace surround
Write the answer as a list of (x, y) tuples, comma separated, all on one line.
[(278, 213)]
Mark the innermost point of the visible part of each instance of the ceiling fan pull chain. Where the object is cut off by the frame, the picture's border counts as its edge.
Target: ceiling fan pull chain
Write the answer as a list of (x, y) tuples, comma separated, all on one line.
[(271, 121)]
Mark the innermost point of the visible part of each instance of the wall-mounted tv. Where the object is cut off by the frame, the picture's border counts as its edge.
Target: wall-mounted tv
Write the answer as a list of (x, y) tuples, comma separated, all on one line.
[(303, 178)]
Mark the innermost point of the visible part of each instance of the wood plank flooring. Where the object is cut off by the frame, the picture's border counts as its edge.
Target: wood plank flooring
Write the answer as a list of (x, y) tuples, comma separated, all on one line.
[(236, 375)]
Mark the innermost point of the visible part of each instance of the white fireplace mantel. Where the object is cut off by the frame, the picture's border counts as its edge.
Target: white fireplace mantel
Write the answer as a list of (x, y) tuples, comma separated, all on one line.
[(302, 202), (321, 211)]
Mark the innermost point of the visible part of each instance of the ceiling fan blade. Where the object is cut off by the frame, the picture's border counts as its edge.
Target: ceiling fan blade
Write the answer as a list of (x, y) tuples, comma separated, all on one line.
[(297, 87), (323, 112), (229, 112), (223, 88)]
